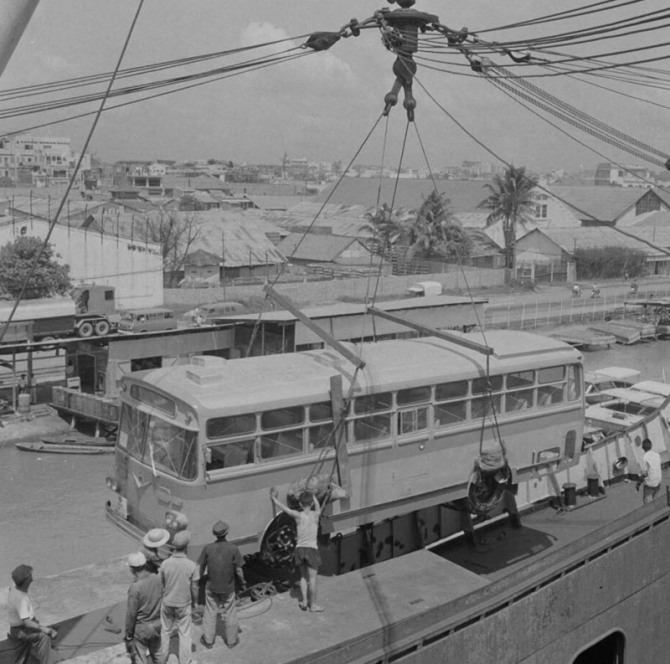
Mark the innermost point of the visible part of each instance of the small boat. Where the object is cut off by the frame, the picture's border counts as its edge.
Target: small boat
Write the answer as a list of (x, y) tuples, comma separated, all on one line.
[(622, 334), (583, 337), (79, 441), (56, 448), (646, 329)]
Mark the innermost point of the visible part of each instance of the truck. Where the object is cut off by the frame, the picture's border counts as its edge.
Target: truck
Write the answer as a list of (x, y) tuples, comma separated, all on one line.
[(85, 314)]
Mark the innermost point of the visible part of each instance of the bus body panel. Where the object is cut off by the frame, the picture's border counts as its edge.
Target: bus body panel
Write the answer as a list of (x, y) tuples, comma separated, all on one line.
[(392, 475)]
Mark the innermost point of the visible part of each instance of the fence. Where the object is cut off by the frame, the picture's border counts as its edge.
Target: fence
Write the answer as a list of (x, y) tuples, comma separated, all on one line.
[(530, 314)]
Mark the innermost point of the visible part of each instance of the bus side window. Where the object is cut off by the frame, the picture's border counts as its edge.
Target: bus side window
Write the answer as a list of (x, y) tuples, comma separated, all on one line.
[(282, 443), (227, 455)]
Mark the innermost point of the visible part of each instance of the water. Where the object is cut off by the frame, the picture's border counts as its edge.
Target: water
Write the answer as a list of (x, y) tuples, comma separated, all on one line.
[(52, 514)]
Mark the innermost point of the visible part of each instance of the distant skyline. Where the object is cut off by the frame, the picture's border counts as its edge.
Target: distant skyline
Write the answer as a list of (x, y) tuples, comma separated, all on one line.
[(321, 106)]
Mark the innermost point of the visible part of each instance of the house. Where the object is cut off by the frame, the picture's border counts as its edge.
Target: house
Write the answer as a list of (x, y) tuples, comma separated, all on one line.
[(240, 242), (135, 269), (553, 250), (609, 206), (302, 249)]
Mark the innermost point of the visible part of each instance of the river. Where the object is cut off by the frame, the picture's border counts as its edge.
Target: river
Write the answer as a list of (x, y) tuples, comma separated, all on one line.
[(52, 514)]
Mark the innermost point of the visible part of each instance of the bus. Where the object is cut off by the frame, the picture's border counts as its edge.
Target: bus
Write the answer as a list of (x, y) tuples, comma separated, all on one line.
[(205, 441)]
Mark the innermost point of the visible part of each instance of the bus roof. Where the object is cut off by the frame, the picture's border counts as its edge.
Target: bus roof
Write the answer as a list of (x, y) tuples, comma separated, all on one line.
[(276, 381)]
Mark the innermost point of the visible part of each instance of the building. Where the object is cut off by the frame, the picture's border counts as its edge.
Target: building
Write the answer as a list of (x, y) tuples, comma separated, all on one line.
[(134, 269), (36, 161), (608, 174)]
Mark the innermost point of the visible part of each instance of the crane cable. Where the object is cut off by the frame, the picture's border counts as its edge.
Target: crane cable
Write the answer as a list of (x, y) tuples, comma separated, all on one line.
[(54, 221)]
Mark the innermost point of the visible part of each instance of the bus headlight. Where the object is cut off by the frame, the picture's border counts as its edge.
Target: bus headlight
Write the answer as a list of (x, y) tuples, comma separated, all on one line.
[(112, 484), (175, 521)]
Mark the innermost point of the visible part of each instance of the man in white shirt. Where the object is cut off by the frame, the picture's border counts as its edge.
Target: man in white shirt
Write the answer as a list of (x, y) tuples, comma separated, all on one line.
[(652, 474), (29, 638)]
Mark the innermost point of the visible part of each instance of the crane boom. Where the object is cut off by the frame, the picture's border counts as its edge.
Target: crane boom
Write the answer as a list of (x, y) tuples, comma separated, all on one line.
[(14, 17)]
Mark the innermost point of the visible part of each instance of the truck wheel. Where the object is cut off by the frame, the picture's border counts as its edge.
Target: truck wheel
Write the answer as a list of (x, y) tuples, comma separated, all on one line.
[(85, 330), (49, 340), (102, 328)]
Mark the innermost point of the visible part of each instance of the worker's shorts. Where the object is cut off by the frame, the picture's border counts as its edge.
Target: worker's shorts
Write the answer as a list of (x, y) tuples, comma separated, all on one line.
[(305, 555)]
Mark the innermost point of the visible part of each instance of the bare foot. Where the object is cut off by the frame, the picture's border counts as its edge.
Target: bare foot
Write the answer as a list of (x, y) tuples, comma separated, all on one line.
[(303, 606), (315, 608)]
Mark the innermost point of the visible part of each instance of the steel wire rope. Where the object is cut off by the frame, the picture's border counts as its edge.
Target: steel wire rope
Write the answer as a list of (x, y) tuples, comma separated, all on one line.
[(395, 191), (458, 255), (503, 161), (574, 138), (311, 224), (52, 223), (585, 127), (29, 109), (384, 247), (581, 115), (482, 328), (492, 152), (563, 15), (96, 79), (154, 96), (568, 37)]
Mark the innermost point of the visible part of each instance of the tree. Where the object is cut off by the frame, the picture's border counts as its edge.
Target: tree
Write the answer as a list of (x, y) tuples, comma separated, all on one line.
[(385, 227), (17, 258), (511, 200), (190, 203), (435, 233), (176, 232)]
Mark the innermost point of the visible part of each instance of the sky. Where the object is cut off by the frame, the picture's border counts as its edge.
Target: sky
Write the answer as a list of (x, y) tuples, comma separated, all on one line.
[(324, 105)]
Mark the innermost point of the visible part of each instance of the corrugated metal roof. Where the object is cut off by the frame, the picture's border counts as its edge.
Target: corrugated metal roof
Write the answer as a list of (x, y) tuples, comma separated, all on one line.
[(351, 309), (600, 203), (570, 239), (242, 233), (45, 208), (314, 246)]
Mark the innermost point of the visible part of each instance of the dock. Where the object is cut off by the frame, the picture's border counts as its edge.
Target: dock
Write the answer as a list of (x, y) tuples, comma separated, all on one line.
[(429, 602)]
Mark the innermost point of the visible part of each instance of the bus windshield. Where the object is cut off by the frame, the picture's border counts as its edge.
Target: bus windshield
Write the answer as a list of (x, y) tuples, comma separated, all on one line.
[(162, 445)]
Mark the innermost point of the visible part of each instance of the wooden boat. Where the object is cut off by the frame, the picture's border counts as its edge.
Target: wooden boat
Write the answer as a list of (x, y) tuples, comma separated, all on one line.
[(622, 334), (647, 329), (585, 338), (56, 448), (79, 441)]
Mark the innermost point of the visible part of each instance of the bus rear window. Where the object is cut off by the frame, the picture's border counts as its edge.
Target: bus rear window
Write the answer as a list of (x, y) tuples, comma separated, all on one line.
[(237, 425)]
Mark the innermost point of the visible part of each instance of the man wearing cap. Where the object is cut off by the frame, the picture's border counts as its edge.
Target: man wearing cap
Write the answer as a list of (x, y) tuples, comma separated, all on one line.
[(151, 542), (179, 578), (223, 562), (143, 627), (29, 638)]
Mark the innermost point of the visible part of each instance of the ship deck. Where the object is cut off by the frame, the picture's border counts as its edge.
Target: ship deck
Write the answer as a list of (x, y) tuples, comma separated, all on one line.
[(397, 605)]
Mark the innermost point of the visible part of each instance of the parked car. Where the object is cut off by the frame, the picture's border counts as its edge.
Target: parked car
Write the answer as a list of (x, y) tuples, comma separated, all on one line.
[(147, 320), (206, 314)]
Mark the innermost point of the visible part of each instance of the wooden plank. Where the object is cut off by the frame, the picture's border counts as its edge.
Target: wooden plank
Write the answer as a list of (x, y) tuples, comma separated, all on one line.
[(319, 331), (440, 334)]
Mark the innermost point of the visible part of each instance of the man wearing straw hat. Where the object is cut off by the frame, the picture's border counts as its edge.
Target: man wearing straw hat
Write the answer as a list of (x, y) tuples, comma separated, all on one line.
[(151, 542)]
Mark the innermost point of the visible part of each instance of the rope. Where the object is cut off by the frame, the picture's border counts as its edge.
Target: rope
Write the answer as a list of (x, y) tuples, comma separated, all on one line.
[(316, 216)]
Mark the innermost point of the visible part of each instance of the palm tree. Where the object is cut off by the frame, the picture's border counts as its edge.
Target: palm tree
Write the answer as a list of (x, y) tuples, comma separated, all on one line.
[(385, 228), (435, 232), (511, 200)]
